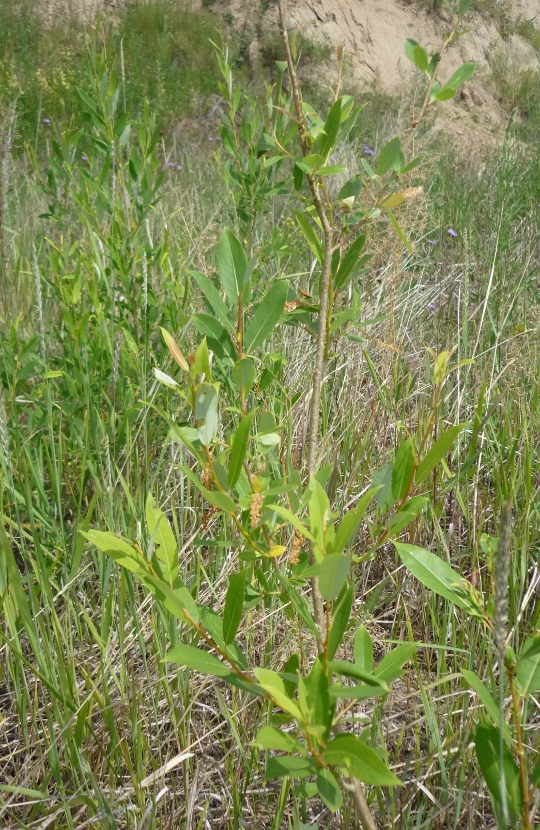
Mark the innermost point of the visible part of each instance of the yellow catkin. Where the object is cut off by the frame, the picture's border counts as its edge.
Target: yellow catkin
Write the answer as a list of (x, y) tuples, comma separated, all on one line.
[(255, 509), (296, 547)]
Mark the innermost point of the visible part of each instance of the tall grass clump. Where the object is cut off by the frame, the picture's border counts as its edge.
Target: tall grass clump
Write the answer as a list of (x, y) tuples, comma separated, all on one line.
[(268, 500)]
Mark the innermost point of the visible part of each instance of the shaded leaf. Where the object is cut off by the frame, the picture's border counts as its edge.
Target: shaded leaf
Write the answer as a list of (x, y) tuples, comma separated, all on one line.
[(329, 790)]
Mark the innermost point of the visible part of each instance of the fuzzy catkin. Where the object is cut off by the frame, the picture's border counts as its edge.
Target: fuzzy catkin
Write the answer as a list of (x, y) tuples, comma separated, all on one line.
[(502, 570), (4, 433)]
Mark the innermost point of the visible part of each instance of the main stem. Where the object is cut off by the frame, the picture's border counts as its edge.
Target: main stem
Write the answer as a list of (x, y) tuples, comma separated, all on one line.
[(352, 785)]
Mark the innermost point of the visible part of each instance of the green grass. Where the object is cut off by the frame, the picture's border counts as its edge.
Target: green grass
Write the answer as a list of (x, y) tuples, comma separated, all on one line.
[(89, 710)]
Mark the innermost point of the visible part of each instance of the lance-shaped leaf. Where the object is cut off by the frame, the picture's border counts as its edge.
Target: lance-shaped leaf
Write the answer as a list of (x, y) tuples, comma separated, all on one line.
[(361, 761), (198, 660), (492, 708), (461, 75), (310, 235), (390, 667), (272, 683), (214, 299), (334, 570), (403, 469), (388, 156), (234, 604), (266, 315), (438, 451), (239, 449), (289, 766), (232, 264), (219, 338), (528, 666), (438, 576), (329, 790), (340, 619), (488, 751), (118, 549), (220, 500), (161, 533), (271, 738)]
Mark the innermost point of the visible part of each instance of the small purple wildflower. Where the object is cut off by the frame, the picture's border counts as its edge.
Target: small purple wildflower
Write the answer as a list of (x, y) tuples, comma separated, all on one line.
[(179, 167), (84, 158), (432, 241), (432, 307), (452, 232), (210, 138), (368, 151), (46, 120)]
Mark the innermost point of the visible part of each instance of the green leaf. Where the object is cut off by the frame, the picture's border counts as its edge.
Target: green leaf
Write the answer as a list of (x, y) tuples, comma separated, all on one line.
[(292, 666), (329, 790), (319, 515), (290, 517), (361, 761), (410, 510), (491, 707), (388, 156), (333, 573), (234, 604), (298, 177), (351, 520), (438, 576), (363, 650), (389, 669), (311, 162), (357, 692), (243, 373), (214, 299), (332, 170), (438, 451), (271, 738), (206, 407), (239, 449), (403, 469), (272, 683), (289, 765), (444, 94), (340, 621), (349, 261), (118, 549), (461, 75), (201, 364), (310, 235), (421, 58), (266, 315), (314, 700), (351, 189), (331, 128), (464, 6), (382, 482), (347, 669), (528, 666), (164, 539), (220, 500), (211, 327), (197, 660), (232, 264), (488, 751)]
